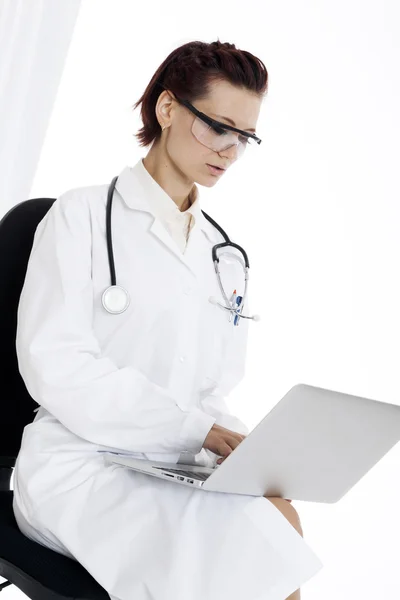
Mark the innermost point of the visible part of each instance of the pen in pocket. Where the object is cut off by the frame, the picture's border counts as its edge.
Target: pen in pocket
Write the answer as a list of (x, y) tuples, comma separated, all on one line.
[(232, 302), (238, 302)]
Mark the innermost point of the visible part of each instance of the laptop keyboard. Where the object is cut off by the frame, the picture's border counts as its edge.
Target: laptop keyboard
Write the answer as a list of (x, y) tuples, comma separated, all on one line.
[(192, 474)]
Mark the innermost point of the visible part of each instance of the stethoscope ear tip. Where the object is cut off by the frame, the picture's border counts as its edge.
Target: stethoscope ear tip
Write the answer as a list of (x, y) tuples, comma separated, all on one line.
[(256, 318)]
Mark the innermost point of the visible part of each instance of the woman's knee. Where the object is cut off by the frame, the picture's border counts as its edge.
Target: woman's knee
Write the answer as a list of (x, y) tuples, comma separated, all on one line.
[(288, 511)]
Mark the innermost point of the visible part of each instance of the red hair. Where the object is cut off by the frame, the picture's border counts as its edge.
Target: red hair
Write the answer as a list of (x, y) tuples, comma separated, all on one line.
[(189, 71)]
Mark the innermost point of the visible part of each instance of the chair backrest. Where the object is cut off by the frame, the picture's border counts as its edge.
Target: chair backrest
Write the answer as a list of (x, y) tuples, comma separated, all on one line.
[(17, 230)]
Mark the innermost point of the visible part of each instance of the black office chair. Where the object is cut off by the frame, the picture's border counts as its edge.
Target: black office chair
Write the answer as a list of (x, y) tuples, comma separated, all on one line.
[(39, 572)]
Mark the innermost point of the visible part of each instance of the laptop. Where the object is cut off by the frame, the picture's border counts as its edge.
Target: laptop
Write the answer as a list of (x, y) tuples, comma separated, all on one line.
[(314, 445)]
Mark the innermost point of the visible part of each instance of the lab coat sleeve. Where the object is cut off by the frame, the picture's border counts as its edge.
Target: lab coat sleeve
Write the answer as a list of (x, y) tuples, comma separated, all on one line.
[(215, 405), (60, 359)]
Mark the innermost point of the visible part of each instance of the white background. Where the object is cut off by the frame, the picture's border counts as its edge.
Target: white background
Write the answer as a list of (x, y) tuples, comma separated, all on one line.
[(316, 206)]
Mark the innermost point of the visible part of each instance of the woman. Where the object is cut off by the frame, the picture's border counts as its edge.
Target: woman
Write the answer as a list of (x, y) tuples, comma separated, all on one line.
[(151, 380)]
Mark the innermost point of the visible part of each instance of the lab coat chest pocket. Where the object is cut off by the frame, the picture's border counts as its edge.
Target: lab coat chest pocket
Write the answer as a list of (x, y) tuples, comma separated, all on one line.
[(227, 350), (220, 330)]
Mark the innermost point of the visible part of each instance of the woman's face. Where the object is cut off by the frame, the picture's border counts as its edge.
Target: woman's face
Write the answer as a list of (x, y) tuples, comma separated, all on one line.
[(225, 103)]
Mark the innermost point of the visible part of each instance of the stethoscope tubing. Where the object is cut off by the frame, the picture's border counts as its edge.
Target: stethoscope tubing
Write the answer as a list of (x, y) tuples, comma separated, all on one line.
[(121, 294), (109, 232)]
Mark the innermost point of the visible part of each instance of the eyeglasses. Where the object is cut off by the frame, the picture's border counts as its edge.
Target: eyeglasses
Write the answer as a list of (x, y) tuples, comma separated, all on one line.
[(215, 135)]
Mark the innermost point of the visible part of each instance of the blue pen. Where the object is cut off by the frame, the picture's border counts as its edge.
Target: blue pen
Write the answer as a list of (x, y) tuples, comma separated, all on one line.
[(238, 301)]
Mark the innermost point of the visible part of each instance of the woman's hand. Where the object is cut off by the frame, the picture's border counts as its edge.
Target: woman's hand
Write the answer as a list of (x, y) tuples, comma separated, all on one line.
[(222, 441)]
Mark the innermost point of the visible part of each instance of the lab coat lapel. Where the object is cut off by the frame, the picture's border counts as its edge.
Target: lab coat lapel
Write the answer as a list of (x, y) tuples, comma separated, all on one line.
[(197, 245), (133, 194), (157, 228)]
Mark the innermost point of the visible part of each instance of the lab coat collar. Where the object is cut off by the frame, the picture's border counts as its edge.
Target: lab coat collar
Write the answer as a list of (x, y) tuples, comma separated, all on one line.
[(135, 184)]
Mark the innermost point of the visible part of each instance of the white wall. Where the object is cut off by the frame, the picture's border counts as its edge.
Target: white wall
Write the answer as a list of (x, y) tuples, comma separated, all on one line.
[(316, 208)]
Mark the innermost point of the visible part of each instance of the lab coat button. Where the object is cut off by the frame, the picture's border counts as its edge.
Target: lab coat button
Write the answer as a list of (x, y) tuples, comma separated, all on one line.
[(187, 290), (182, 358)]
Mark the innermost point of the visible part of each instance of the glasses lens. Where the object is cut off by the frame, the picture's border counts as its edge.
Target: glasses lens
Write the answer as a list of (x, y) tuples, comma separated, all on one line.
[(218, 138)]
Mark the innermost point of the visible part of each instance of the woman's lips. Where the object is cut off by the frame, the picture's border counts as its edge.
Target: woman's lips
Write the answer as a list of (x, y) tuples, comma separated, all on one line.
[(215, 170)]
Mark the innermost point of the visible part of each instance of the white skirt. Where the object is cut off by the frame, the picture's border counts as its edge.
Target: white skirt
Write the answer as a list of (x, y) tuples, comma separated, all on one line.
[(145, 538)]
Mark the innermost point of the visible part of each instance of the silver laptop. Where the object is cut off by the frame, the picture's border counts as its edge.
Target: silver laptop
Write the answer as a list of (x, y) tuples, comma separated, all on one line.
[(314, 445)]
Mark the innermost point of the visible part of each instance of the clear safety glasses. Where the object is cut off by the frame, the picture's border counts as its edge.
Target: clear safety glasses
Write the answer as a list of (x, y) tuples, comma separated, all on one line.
[(215, 135)]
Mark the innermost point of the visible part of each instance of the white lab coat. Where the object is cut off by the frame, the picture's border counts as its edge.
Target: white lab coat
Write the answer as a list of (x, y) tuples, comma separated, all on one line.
[(150, 381)]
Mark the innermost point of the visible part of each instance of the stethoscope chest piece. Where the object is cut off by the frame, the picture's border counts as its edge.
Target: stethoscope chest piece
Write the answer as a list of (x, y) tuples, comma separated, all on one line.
[(115, 299)]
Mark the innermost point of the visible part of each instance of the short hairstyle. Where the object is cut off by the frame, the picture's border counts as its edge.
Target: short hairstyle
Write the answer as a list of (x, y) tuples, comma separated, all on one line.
[(189, 71)]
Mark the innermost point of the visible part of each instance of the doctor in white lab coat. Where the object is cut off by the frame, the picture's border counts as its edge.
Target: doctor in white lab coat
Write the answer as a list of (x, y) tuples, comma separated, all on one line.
[(151, 381)]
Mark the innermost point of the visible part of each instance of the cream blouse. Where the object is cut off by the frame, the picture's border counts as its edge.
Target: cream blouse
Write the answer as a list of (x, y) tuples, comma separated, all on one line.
[(178, 224)]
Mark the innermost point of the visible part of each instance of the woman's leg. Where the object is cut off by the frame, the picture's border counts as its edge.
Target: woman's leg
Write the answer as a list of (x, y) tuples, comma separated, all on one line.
[(290, 513)]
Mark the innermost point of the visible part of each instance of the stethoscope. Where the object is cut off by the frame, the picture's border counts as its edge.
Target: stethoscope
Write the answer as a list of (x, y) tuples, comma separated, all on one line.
[(115, 299)]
